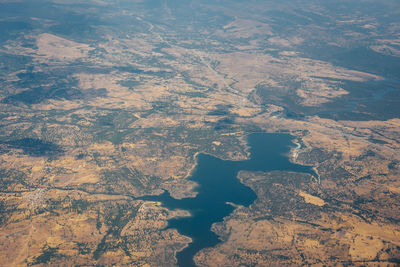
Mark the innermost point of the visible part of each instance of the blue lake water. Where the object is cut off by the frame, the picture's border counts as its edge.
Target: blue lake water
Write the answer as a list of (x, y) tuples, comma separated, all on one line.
[(218, 184)]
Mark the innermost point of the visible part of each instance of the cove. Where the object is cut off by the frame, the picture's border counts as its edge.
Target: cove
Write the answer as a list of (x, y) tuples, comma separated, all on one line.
[(218, 184)]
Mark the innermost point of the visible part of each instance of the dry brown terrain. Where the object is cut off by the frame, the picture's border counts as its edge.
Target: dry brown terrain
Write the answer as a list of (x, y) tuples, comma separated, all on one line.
[(88, 126)]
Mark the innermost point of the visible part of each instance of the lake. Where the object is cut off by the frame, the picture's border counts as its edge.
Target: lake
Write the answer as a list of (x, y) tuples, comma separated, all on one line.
[(218, 184)]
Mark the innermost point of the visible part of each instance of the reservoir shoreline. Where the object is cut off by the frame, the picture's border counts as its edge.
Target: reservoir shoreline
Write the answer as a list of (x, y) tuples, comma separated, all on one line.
[(219, 189)]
